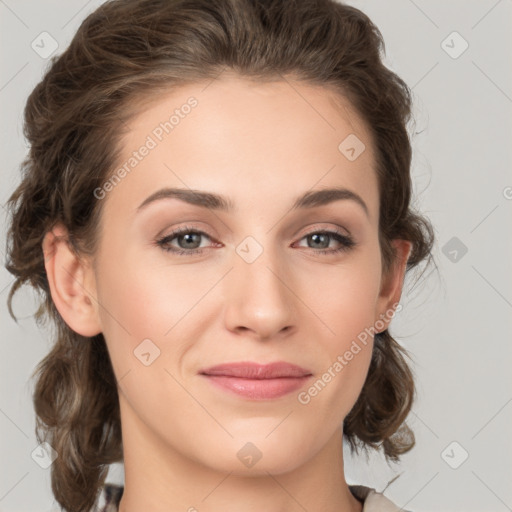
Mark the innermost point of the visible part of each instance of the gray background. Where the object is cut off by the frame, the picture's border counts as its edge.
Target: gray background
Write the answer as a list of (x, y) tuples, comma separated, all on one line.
[(456, 322)]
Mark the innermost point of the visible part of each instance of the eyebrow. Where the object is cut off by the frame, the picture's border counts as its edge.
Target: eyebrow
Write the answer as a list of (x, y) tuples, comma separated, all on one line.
[(213, 201)]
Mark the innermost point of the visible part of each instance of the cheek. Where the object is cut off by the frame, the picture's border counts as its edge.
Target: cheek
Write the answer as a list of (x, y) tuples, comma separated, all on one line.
[(141, 301), (345, 299), (345, 302), (145, 299), (346, 356)]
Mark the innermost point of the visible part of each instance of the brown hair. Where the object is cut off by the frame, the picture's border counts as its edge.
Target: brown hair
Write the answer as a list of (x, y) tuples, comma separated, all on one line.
[(126, 51)]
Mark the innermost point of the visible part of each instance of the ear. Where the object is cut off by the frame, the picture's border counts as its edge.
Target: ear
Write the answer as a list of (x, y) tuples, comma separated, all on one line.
[(391, 285), (72, 283)]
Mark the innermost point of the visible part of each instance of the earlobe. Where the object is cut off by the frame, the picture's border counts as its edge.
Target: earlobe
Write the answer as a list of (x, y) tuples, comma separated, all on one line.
[(70, 279), (392, 284)]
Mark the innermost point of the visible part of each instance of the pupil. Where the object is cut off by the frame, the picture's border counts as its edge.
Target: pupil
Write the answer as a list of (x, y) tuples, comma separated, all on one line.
[(189, 237), (316, 237)]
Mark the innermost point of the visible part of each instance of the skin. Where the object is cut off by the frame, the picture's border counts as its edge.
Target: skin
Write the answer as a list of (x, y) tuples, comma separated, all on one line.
[(261, 145)]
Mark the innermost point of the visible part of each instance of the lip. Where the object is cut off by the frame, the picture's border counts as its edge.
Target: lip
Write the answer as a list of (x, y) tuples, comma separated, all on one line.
[(257, 381)]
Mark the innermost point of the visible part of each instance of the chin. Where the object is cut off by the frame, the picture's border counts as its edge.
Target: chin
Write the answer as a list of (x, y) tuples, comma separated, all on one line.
[(259, 456)]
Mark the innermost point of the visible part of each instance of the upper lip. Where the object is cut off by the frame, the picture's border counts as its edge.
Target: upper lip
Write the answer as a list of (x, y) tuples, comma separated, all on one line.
[(251, 370)]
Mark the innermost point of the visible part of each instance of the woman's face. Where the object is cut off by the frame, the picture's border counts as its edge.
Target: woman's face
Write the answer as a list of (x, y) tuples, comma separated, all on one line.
[(257, 278)]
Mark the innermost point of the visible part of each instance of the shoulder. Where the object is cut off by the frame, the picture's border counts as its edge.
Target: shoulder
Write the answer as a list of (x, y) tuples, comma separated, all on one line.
[(374, 501)]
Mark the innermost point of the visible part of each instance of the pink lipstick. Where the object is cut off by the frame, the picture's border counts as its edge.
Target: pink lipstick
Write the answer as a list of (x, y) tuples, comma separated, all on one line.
[(257, 381)]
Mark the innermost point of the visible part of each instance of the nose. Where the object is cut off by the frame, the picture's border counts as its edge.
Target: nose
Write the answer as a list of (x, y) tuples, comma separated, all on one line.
[(259, 298)]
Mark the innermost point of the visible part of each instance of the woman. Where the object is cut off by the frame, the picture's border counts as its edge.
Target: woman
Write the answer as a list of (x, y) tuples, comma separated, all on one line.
[(269, 137)]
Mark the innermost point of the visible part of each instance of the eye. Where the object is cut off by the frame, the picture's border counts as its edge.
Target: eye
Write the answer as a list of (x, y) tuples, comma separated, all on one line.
[(189, 240), (322, 238)]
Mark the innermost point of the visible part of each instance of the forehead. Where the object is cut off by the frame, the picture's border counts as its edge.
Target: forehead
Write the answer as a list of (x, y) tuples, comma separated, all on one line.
[(239, 137)]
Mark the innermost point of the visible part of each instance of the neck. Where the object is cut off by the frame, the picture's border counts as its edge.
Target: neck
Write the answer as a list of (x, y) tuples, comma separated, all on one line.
[(160, 478)]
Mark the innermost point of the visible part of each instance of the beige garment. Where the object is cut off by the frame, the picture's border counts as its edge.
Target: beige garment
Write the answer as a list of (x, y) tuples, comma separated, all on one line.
[(372, 500)]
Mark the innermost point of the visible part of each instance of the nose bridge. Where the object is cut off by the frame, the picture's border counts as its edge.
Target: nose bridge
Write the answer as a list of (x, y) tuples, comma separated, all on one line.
[(258, 296)]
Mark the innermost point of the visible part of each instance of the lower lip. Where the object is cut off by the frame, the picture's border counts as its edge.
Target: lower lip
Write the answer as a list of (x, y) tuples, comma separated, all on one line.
[(258, 389)]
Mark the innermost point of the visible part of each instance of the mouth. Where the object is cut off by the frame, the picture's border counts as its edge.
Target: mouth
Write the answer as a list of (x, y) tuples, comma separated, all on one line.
[(257, 381)]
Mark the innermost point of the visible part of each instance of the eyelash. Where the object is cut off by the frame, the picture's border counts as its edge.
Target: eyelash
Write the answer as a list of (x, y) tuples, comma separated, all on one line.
[(346, 241)]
